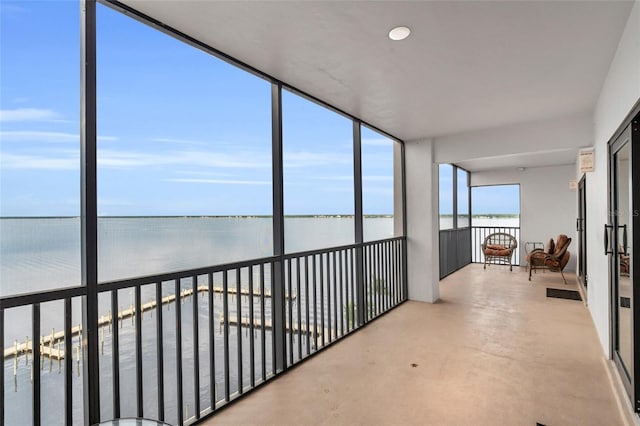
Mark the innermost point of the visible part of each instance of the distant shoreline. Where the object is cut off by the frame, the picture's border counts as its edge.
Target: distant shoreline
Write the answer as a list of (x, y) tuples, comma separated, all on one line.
[(205, 216), (488, 215), (294, 216)]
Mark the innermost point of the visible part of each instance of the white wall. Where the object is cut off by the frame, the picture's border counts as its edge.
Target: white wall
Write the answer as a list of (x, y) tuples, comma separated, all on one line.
[(547, 205), (422, 222), (619, 93), (554, 135), (542, 187)]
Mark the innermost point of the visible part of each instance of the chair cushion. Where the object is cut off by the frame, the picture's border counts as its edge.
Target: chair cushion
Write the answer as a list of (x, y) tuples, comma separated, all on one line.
[(497, 252), (561, 242), (538, 258), (551, 246), (497, 247), (534, 252)]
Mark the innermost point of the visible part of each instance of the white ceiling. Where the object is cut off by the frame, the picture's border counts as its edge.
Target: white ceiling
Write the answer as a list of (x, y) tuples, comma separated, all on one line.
[(558, 157), (467, 65)]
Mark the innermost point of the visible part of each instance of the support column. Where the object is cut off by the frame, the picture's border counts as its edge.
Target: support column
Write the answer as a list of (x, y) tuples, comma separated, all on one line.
[(277, 274), (422, 221), (89, 212), (358, 221)]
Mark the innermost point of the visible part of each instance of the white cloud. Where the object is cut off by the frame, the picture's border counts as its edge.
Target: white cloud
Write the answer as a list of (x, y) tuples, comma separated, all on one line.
[(28, 114), (350, 178), (12, 161), (179, 141), (43, 136), (336, 177), (124, 159), (310, 159), (14, 9), (202, 173), (37, 136), (221, 181)]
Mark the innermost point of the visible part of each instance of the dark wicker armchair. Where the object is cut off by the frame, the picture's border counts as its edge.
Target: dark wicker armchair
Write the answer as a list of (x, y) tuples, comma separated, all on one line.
[(499, 248), (554, 258)]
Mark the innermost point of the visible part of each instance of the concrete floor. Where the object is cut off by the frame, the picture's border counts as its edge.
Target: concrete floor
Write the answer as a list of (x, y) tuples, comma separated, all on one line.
[(493, 351)]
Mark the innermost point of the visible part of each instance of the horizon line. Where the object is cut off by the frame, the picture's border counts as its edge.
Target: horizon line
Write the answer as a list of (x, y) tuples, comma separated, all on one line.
[(198, 216)]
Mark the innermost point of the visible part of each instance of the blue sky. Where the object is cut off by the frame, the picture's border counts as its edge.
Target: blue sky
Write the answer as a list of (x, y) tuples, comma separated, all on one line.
[(179, 131), (497, 199), (500, 199)]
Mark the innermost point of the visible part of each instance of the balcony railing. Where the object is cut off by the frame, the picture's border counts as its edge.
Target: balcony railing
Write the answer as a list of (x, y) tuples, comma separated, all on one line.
[(479, 233), (454, 249), (176, 347)]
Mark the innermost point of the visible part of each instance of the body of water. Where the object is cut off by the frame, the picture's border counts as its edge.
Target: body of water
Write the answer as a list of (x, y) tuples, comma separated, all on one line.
[(446, 221), (38, 254), (44, 253)]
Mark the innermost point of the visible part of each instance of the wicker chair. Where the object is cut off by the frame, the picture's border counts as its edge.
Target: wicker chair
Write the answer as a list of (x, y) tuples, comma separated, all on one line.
[(554, 258), (499, 248)]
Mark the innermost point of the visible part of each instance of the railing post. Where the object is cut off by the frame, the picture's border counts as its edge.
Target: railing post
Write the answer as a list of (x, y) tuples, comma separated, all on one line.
[(88, 213), (277, 275), (455, 196), (358, 220), (405, 275)]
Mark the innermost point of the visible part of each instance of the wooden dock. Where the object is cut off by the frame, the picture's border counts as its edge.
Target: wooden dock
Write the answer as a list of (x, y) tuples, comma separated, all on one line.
[(50, 343), (257, 324)]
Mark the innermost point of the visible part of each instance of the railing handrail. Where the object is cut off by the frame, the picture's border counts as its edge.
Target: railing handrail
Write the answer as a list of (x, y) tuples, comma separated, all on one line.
[(42, 296), (317, 298), (481, 232), (499, 227), (454, 229)]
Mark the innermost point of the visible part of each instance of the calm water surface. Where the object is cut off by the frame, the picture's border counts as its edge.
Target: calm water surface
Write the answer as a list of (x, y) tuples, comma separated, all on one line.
[(39, 254)]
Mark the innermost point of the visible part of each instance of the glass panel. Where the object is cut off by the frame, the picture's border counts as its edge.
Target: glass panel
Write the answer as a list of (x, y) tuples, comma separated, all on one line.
[(496, 205), (495, 208), (184, 176), (623, 251), (39, 146), (463, 198), (446, 196), (377, 185), (318, 175)]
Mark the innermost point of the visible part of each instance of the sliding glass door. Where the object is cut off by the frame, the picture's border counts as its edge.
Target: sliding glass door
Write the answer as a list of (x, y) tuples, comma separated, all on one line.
[(620, 241)]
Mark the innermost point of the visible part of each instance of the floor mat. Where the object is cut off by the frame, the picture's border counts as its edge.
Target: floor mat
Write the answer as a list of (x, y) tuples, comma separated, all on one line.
[(563, 294)]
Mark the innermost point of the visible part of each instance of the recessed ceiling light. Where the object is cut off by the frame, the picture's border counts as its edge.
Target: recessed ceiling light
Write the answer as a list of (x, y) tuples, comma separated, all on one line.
[(399, 33)]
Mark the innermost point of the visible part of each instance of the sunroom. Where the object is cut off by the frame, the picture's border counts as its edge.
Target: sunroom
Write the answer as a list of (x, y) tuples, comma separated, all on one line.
[(270, 212)]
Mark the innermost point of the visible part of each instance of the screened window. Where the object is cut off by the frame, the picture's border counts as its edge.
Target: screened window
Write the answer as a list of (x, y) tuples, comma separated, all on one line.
[(318, 175), (39, 190), (184, 176), (496, 205), (377, 185), (39, 146), (463, 198), (445, 195)]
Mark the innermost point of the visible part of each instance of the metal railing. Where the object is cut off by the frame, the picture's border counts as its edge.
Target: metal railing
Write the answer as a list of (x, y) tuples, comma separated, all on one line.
[(454, 249), (478, 235), (178, 346)]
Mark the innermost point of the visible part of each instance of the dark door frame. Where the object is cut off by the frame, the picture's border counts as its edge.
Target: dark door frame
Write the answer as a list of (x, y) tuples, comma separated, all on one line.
[(630, 381), (581, 225)]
